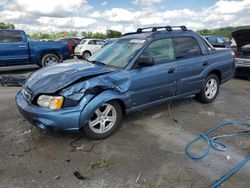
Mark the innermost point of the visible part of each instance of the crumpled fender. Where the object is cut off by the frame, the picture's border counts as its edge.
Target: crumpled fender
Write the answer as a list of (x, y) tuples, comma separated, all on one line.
[(100, 99)]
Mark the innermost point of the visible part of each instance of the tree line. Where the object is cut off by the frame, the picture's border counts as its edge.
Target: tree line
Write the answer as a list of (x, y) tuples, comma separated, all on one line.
[(84, 34), (64, 34), (223, 32), (6, 26)]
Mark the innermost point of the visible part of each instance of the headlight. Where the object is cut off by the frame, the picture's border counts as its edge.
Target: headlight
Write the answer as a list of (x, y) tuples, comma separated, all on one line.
[(51, 102)]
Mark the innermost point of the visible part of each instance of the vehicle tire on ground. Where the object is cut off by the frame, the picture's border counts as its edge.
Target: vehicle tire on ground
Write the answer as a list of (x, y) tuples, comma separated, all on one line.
[(210, 89), (104, 122), (86, 55), (49, 59)]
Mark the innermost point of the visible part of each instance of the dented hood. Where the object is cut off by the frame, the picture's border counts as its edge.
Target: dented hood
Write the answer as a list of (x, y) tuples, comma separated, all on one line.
[(241, 37), (53, 78)]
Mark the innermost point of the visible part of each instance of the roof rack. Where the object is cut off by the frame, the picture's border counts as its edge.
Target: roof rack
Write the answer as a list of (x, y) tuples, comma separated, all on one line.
[(168, 28), (154, 29)]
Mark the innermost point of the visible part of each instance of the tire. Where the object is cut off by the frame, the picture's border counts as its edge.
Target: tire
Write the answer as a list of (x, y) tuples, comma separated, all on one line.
[(86, 55), (99, 127), (49, 59), (210, 89), (79, 57)]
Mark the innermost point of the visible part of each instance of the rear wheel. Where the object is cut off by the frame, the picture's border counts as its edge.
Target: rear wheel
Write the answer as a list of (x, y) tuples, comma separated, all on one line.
[(210, 89), (104, 122), (86, 55), (49, 59)]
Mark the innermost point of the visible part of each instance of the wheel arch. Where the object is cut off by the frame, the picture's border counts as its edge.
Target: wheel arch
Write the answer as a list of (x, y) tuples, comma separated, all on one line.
[(87, 51), (95, 102), (55, 52), (217, 73)]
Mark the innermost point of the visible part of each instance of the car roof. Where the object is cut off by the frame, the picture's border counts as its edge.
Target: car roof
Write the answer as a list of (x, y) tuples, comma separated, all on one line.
[(159, 34)]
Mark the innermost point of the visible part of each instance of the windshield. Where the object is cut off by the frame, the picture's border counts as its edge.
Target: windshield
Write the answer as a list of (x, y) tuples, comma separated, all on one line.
[(119, 53)]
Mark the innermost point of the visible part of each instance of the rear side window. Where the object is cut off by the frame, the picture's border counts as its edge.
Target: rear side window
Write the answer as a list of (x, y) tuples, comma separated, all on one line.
[(10, 37), (92, 42), (161, 51), (186, 47)]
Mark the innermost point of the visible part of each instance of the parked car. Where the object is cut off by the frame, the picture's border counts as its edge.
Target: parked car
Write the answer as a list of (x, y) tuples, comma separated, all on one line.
[(72, 41), (15, 49), (88, 47), (217, 42), (240, 44), (138, 70)]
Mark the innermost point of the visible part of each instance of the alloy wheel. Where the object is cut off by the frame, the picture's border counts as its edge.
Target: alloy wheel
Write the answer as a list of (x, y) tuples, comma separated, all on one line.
[(103, 119), (211, 88)]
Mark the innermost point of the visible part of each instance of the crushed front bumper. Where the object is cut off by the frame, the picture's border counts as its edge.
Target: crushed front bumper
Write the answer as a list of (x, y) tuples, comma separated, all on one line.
[(46, 119)]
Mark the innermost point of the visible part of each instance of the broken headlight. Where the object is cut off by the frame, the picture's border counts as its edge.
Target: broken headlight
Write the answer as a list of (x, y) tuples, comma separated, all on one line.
[(51, 102)]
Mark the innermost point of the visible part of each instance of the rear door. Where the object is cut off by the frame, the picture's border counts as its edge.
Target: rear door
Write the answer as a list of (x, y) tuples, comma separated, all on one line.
[(156, 82), (190, 63), (91, 46), (98, 45), (14, 48)]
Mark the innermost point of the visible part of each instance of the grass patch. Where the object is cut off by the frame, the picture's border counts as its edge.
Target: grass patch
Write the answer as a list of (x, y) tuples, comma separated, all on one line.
[(100, 163)]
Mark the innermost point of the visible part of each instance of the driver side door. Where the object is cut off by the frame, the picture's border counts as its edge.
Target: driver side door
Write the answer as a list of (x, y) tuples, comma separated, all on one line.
[(156, 82)]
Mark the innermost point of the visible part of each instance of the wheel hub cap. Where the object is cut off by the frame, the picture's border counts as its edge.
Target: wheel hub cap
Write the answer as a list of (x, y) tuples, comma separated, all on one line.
[(51, 61), (211, 88), (103, 119)]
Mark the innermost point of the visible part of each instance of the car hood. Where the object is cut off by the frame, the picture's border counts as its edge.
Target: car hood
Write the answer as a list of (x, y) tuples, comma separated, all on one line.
[(53, 78), (241, 37)]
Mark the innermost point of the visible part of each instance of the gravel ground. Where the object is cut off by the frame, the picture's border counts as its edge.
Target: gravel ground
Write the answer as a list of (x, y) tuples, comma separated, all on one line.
[(148, 148)]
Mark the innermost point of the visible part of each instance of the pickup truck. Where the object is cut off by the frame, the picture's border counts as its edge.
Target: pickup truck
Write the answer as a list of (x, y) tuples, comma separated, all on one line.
[(15, 49), (140, 69)]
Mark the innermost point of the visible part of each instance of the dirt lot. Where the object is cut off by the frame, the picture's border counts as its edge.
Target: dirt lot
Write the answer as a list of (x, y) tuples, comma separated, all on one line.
[(150, 144)]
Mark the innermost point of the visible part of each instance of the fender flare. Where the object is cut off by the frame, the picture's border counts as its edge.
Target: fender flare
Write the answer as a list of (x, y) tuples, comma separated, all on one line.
[(100, 99)]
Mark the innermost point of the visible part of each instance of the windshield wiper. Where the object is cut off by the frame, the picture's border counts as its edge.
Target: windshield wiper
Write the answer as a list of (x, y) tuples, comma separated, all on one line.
[(96, 62), (100, 63)]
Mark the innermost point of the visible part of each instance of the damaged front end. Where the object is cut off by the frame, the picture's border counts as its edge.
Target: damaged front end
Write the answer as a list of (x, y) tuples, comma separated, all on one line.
[(87, 87)]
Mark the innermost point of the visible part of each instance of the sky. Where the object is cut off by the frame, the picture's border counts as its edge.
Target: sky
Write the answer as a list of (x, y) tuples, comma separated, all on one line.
[(122, 15)]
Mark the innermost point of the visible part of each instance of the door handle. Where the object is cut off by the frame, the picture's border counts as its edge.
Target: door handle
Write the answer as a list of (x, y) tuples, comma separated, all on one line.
[(204, 64), (22, 46), (171, 70)]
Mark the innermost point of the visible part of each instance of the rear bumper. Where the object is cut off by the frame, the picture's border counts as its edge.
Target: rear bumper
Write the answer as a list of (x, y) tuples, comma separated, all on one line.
[(46, 119), (242, 67)]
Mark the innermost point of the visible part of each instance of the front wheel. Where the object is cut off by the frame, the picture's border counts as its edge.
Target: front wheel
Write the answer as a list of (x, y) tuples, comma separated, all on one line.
[(210, 89), (104, 122)]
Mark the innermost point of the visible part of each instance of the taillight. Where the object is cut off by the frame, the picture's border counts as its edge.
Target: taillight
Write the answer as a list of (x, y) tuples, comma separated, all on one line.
[(233, 55), (70, 48)]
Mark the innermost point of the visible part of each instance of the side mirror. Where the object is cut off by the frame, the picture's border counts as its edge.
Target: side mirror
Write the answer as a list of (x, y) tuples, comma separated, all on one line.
[(146, 61)]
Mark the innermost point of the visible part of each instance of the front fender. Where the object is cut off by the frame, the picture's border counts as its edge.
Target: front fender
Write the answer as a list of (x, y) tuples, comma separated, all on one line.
[(100, 99)]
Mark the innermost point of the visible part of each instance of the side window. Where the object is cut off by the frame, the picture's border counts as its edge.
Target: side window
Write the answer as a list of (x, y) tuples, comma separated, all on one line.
[(161, 51), (186, 47), (92, 42), (10, 37)]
